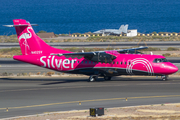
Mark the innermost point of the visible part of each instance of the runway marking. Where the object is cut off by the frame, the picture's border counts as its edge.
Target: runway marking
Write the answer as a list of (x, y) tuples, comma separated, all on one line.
[(94, 100)]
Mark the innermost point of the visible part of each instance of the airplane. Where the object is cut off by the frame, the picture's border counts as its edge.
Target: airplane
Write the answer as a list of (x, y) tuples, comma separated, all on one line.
[(94, 64), (122, 29)]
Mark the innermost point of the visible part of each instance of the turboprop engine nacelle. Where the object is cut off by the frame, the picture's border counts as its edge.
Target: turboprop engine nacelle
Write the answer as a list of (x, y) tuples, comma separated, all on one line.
[(101, 57)]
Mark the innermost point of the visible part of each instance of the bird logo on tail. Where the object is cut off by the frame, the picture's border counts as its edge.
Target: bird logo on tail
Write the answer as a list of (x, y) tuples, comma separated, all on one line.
[(26, 35), (23, 40)]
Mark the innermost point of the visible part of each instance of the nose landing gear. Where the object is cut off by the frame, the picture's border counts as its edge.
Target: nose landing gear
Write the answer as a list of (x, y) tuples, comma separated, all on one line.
[(164, 78)]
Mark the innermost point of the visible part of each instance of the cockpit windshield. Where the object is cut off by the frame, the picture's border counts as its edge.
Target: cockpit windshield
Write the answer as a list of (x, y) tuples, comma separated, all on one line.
[(158, 60)]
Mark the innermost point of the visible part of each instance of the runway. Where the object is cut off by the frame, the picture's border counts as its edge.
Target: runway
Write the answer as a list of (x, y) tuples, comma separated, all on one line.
[(162, 45), (27, 96)]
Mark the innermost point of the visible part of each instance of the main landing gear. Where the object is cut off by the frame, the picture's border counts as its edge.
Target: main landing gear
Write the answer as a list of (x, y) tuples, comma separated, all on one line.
[(164, 78), (93, 78), (107, 78)]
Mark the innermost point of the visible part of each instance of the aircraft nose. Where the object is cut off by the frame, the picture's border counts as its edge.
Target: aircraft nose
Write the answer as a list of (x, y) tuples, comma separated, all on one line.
[(173, 69)]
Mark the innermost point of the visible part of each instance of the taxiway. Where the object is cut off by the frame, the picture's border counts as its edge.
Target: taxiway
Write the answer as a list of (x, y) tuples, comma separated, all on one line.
[(27, 96)]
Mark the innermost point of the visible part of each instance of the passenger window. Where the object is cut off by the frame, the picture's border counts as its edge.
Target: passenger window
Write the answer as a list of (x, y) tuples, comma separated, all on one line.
[(113, 62), (117, 63), (85, 62), (89, 62), (129, 63), (125, 63), (93, 63), (77, 61), (121, 63), (81, 61)]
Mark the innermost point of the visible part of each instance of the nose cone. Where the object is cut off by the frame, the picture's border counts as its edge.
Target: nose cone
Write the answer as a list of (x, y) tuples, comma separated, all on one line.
[(173, 69)]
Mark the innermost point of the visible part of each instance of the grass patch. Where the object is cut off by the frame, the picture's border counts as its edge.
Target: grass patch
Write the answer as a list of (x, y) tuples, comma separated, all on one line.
[(172, 49), (9, 52)]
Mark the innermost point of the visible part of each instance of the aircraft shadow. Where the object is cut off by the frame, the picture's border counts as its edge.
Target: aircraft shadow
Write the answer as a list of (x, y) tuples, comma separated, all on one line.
[(53, 81), (135, 79)]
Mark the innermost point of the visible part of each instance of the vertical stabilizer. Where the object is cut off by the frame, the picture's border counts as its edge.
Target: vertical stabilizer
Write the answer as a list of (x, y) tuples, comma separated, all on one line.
[(125, 28), (27, 38), (121, 27), (29, 42)]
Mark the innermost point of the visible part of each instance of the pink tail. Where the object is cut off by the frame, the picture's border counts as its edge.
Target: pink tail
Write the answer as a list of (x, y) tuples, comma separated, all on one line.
[(29, 42)]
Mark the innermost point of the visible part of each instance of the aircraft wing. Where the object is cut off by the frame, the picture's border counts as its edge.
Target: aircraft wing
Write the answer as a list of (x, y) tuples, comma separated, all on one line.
[(132, 50), (98, 56)]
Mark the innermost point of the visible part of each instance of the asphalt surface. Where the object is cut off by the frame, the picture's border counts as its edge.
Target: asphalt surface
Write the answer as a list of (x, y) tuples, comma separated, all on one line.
[(27, 96), (162, 45)]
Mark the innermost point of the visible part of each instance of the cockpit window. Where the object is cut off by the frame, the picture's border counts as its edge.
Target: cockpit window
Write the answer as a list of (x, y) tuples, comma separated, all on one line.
[(158, 60)]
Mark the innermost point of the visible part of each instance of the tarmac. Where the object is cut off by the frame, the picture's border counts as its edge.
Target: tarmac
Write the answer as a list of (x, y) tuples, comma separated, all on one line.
[(28, 95)]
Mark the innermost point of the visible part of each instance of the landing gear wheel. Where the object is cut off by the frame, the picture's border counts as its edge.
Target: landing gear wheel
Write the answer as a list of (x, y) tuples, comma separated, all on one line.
[(107, 78), (164, 78), (92, 78)]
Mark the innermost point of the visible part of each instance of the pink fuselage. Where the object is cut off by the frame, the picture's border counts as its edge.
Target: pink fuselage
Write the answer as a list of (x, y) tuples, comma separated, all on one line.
[(111, 63), (124, 64)]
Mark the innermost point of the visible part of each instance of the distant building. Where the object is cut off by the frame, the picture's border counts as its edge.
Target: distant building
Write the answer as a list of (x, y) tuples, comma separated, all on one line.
[(132, 33), (46, 35)]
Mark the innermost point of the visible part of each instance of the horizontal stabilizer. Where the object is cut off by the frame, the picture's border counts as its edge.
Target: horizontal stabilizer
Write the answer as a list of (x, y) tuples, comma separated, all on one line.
[(19, 25)]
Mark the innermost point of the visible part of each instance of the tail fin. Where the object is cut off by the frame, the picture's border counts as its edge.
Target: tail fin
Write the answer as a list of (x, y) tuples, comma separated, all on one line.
[(29, 42), (123, 28), (27, 38)]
